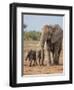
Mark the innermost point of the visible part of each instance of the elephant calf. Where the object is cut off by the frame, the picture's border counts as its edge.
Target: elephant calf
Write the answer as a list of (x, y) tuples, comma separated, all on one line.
[(32, 57)]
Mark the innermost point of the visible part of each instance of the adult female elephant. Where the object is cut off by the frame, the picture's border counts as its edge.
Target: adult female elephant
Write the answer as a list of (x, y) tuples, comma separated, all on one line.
[(53, 36)]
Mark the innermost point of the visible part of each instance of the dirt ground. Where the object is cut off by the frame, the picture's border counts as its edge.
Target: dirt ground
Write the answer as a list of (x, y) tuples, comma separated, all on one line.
[(46, 69)]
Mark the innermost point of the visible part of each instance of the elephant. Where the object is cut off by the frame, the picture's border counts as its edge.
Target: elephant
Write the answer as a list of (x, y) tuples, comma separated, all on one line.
[(53, 36), (32, 57)]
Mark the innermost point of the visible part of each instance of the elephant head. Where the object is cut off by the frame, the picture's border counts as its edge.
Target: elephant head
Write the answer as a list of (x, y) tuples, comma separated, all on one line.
[(46, 34), (53, 33)]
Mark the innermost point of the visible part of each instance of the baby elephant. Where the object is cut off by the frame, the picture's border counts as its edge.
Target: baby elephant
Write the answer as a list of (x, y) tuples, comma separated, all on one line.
[(32, 57)]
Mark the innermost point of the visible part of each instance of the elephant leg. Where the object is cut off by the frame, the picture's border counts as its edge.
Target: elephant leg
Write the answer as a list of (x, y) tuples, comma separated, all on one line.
[(49, 56), (52, 61), (56, 55), (43, 62), (42, 57), (56, 58), (30, 63), (57, 51), (59, 55), (39, 61), (36, 62)]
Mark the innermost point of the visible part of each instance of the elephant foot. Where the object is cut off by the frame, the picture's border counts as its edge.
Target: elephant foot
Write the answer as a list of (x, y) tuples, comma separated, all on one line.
[(42, 64), (33, 64), (30, 65), (56, 63), (50, 63)]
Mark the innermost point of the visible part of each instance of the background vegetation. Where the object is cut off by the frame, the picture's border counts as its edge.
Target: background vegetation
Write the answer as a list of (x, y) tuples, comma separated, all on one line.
[(32, 35)]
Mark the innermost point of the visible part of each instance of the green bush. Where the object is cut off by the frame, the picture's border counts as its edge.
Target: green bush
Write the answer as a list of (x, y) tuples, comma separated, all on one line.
[(32, 35)]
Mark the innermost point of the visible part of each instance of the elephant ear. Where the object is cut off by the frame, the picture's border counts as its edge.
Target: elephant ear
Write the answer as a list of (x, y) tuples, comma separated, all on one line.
[(57, 34)]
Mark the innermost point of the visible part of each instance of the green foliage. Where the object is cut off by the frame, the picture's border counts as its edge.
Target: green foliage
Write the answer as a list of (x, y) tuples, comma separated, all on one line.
[(32, 35)]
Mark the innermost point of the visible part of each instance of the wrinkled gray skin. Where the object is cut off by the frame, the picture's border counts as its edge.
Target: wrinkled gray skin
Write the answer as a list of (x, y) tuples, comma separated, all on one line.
[(53, 36)]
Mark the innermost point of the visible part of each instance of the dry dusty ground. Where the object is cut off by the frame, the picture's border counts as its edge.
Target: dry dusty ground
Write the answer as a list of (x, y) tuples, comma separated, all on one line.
[(46, 69)]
